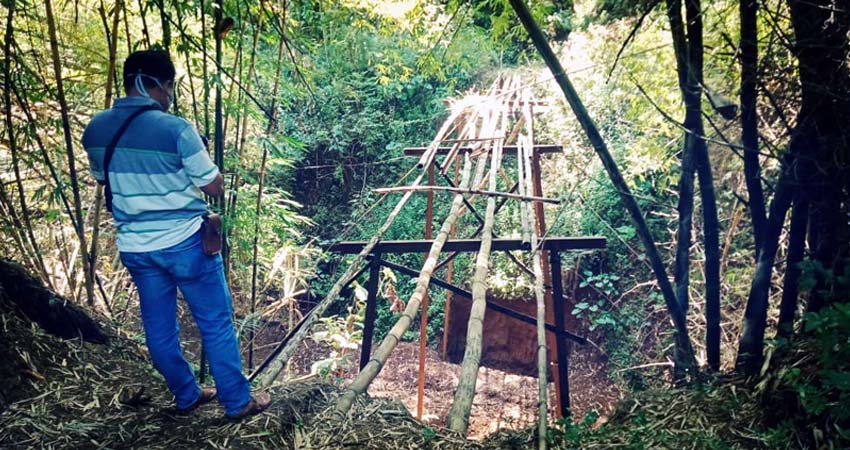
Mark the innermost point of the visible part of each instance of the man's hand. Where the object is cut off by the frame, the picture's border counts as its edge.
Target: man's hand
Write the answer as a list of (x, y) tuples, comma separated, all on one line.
[(215, 188)]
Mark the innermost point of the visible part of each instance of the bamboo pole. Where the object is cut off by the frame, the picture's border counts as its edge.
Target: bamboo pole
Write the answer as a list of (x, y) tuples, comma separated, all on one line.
[(379, 358), (458, 419), (69, 148), (107, 102), (260, 184), (13, 147), (423, 318)]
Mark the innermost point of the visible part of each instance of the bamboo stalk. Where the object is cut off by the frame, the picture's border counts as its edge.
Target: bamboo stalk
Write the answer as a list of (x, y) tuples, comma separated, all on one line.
[(458, 418), (523, 206), (379, 358), (684, 348), (459, 190), (13, 147), (69, 148), (261, 182), (107, 101)]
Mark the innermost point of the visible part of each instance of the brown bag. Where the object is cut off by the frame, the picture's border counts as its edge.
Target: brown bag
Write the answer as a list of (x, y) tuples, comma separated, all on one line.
[(211, 235)]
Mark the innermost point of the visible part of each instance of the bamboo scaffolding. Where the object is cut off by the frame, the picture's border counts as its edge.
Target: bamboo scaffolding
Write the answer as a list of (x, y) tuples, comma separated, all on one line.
[(276, 361), (458, 419), (368, 374)]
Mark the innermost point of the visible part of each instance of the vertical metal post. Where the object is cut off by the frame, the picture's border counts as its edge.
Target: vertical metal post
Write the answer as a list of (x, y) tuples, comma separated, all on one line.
[(562, 347), (423, 324), (447, 313), (371, 307)]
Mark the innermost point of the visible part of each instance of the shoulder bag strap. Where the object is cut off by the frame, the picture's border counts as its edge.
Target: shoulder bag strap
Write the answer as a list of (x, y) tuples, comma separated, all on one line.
[(110, 151)]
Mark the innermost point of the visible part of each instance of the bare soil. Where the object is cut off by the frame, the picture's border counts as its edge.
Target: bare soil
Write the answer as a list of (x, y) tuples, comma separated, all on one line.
[(502, 400)]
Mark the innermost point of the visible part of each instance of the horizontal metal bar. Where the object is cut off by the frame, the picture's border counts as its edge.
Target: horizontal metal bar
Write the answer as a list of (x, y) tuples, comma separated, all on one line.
[(470, 245)]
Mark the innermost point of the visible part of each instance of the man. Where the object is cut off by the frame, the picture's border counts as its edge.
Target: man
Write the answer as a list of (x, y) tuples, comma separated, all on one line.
[(156, 175)]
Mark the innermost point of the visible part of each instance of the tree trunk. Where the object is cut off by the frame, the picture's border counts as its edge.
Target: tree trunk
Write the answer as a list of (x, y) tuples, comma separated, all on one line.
[(685, 207), (689, 59), (817, 158), (684, 351), (711, 225), (822, 47), (755, 316)]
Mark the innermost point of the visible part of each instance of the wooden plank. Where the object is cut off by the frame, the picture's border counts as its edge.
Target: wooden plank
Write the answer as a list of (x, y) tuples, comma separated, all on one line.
[(508, 150), (470, 245)]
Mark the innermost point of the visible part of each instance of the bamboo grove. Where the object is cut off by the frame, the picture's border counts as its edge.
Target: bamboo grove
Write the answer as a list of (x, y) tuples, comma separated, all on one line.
[(250, 68)]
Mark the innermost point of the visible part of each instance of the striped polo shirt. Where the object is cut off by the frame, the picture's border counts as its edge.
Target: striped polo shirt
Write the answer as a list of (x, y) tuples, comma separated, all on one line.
[(155, 174)]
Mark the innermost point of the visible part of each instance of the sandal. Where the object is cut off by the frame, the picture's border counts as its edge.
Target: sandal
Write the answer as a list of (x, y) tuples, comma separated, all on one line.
[(207, 395), (259, 402)]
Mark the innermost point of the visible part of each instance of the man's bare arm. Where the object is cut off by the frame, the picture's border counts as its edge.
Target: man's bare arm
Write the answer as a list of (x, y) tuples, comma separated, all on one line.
[(215, 188)]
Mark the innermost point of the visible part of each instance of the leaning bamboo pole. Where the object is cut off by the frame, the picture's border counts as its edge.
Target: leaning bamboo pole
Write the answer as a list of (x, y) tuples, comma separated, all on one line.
[(276, 361), (373, 367), (458, 419)]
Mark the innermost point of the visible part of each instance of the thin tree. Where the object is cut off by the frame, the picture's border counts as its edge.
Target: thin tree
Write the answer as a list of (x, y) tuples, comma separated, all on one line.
[(107, 102), (258, 210), (689, 61)]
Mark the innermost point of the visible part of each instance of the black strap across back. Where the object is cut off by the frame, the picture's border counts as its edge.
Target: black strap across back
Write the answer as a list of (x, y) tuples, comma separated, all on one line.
[(110, 150)]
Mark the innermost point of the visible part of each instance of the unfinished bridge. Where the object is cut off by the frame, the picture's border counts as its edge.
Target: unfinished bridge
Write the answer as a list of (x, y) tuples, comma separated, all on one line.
[(469, 158)]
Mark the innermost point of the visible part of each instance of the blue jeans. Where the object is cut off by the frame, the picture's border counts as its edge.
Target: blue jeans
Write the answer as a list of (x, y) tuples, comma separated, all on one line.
[(157, 275)]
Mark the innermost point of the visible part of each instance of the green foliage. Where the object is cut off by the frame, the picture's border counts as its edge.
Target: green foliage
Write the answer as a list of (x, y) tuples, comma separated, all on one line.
[(829, 393)]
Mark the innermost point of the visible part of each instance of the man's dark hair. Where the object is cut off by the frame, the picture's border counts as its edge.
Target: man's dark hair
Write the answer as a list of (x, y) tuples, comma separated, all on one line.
[(153, 63)]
